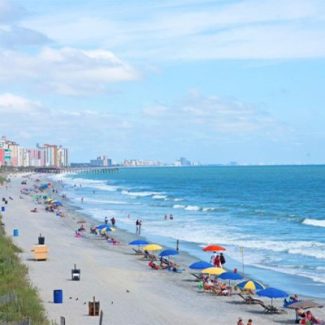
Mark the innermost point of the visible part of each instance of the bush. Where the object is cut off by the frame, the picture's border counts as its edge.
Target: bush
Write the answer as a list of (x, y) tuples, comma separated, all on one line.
[(18, 298)]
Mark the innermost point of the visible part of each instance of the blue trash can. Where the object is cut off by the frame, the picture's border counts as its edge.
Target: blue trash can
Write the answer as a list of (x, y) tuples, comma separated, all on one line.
[(15, 232), (58, 296), (3, 209)]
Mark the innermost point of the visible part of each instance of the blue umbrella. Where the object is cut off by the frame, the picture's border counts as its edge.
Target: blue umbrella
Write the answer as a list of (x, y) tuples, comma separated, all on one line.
[(200, 265), (58, 203), (230, 276), (104, 226), (138, 242), (168, 252), (272, 293)]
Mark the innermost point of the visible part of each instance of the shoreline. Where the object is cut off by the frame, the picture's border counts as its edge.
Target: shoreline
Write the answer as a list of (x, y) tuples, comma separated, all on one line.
[(271, 277), (168, 298)]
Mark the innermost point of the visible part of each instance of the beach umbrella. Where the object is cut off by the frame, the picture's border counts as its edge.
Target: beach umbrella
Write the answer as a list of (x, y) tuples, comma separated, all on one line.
[(200, 265), (58, 203), (168, 252), (230, 276), (152, 247), (138, 242), (213, 271), (213, 248), (100, 227), (250, 285), (304, 304), (272, 293)]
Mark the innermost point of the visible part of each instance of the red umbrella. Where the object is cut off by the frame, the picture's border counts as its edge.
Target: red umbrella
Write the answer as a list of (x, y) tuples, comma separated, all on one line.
[(213, 248)]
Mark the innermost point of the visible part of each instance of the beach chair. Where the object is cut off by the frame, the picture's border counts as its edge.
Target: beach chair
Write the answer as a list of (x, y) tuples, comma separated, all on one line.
[(198, 276), (250, 300), (138, 251), (270, 309), (149, 256)]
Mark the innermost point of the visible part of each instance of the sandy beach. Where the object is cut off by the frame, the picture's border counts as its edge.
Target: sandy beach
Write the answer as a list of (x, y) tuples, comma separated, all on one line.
[(128, 290)]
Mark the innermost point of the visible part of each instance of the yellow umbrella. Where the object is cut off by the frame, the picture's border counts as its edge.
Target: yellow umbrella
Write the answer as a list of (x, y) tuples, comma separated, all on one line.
[(213, 270), (152, 247)]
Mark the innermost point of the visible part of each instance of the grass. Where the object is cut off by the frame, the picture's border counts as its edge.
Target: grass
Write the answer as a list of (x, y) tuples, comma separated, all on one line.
[(2, 179), (14, 280)]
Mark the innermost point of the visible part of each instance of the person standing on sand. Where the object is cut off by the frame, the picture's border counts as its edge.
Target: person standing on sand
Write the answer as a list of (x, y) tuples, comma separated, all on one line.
[(106, 220), (222, 259), (240, 322), (217, 262), (250, 322), (113, 221), (213, 256), (137, 226), (140, 224)]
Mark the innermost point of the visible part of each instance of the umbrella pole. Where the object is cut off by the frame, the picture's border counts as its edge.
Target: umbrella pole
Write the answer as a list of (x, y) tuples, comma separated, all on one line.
[(242, 258)]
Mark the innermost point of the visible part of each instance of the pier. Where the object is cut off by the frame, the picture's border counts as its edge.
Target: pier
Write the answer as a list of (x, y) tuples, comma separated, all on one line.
[(60, 170)]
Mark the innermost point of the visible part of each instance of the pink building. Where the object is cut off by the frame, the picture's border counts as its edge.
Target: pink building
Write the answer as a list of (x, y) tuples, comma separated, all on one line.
[(2, 157)]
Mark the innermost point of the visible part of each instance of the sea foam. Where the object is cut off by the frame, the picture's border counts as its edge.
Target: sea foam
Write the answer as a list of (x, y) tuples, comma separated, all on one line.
[(314, 222)]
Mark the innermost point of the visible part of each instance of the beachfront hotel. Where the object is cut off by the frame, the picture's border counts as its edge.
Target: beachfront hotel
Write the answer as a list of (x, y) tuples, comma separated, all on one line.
[(48, 155)]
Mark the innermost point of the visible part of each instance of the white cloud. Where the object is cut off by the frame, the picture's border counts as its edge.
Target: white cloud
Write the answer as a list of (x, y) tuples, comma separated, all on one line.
[(23, 118), (10, 103), (250, 29), (66, 71), (211, 116)]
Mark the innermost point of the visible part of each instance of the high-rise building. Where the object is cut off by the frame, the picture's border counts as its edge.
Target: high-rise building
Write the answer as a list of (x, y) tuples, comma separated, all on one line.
[(101, 161), (49, 155)]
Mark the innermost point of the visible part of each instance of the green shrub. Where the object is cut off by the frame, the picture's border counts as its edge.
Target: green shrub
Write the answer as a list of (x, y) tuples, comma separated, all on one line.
[(25, 303)]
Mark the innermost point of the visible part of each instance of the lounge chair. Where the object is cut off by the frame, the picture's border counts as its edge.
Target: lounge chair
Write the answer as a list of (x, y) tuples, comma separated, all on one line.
[(138, 251), (198, 276), (270, 309), (250, 300), (149, 256)]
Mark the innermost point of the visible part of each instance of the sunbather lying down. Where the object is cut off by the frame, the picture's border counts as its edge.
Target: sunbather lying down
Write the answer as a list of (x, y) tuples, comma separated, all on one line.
[(154, 265), (217, 288)]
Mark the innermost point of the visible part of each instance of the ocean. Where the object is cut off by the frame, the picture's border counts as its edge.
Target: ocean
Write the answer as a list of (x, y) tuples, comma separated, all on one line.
[(270, 219)]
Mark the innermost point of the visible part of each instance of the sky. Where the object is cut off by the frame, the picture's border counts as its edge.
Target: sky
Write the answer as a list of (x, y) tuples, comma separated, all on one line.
[(213, 81)]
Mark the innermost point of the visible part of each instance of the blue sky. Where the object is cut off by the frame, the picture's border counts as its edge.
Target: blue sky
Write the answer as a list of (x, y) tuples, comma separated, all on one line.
[(215, 81)]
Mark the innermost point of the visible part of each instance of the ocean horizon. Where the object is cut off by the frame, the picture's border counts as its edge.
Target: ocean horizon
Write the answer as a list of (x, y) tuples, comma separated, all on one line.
[(271, 219)]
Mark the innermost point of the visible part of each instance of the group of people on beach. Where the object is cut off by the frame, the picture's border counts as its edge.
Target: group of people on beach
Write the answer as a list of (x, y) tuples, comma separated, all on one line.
[(218, 260), (241, 322)]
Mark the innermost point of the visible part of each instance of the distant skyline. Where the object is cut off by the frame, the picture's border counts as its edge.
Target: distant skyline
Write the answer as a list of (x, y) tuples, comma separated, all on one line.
[(212, 81)]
